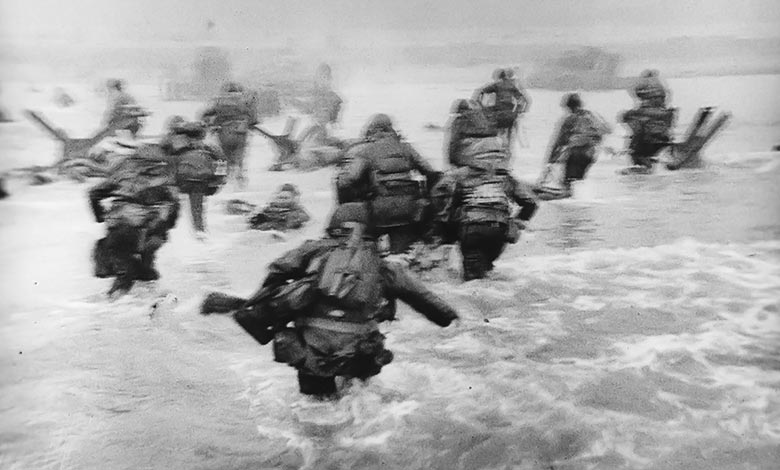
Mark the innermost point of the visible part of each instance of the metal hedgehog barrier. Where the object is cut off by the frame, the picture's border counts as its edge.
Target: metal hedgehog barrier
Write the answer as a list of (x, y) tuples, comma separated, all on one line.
[(74, 161)]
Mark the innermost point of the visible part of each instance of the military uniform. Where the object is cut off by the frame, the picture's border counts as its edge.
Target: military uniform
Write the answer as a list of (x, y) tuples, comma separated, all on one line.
[(123, 109), (510, 101), (469, 122), (335, 335), (380, 170), (279, 215), (650, 122), (474, 208), (578, 136), (200, 169), (143, 209), (232, 114)]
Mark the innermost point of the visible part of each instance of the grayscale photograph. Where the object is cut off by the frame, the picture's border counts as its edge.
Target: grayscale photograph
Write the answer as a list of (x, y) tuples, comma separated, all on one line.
[(374, 234)]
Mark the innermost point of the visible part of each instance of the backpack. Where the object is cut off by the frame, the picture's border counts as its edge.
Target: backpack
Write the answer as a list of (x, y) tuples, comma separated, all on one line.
[(196, 165), (395, 189), (485, 199), (349, 278), (477, 124), (588, 129), (657, 123)]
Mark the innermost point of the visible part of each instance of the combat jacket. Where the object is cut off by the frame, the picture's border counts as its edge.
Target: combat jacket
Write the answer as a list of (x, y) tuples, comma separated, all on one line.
[(470, 195), (380, 171), (396, 283)]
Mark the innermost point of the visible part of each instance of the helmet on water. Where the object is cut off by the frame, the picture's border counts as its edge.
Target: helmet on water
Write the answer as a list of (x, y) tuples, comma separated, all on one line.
[(347, 214), (378, 123), (289, 187)]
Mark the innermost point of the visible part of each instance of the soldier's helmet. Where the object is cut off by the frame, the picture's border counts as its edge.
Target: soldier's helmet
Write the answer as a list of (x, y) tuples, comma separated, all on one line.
[(572, 101), (232, 87), (460, 106), (347, 214), (173, 124), (378, 123), (114, 83)]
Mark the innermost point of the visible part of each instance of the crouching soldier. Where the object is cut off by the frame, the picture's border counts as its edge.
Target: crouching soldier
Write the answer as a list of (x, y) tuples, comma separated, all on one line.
[(143, 208), (200, 169), (475, 208), (283, 213), (334, 292)]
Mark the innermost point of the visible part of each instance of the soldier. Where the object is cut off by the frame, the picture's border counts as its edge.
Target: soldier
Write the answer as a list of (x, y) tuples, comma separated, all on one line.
[(510, 102), (231, 114), (122, 106), (334, 291), (381, 170), (650, 122), (474, 204), (650, 91), (144, 207), (283, 213), (200, 168), (575, 143), (468, 122)]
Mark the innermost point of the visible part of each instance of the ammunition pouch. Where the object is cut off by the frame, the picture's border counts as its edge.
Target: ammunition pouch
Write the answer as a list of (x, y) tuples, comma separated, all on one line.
[(512, 232), (288, 347), (293, 297)]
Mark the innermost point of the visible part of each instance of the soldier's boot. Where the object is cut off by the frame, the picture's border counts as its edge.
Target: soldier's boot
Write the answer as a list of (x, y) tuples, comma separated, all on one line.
[(146, 269), (315, 385), (127, 272), (474, 265), (196, 209), (104, 266)]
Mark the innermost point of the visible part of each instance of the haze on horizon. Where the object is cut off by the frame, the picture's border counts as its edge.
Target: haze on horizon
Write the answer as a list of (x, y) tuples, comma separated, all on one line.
[(104, 22)]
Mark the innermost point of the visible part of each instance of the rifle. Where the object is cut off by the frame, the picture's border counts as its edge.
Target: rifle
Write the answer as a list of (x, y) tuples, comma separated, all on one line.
[(259, 326)]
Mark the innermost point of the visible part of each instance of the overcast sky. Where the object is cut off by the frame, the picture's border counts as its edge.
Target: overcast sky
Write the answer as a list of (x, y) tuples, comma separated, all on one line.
[(123, 21)]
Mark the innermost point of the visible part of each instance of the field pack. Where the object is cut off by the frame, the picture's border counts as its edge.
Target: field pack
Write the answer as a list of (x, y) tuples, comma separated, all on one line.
[(350, 276)]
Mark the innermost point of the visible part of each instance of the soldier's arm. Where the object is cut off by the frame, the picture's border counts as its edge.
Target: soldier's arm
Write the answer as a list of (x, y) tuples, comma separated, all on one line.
[(479, 92), (561, 138), (293, 264), (99, 192), (453, 139), (524, 197), (421, 164), (208, 114), (352, 172), (401, 285), (523, 100)]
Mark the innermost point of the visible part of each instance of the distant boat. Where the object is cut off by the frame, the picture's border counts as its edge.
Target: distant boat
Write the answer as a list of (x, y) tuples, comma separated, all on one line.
[(589, 68)]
